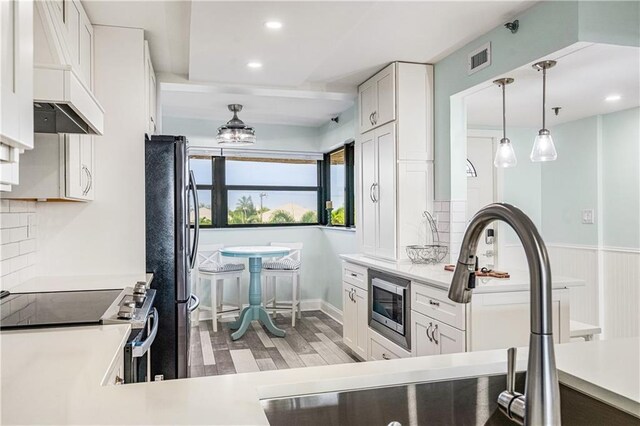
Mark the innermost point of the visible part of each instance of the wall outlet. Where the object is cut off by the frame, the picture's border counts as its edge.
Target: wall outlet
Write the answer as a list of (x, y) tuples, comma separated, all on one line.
[(588, 217)]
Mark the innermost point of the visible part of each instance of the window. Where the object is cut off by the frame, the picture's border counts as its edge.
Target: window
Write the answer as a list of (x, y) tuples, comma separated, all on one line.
[(339, 186), (239, 191)]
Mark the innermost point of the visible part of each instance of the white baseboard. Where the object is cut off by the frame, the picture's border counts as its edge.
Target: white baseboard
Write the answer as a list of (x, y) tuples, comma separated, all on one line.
[(305, 305)]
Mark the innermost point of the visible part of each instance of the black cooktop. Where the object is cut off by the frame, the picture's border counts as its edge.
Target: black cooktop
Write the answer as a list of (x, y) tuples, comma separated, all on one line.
[(55, 309)]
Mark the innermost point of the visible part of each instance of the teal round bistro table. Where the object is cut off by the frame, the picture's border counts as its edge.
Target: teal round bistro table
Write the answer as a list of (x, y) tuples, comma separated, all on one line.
[(255, 310)]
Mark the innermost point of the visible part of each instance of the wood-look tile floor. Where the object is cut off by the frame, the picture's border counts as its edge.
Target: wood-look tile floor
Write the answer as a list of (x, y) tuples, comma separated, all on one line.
[(315, 340)]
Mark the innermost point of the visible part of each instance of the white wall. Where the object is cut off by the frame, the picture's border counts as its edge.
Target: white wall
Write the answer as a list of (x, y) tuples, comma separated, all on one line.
[(202, 133), (106, 236), (18, 245)]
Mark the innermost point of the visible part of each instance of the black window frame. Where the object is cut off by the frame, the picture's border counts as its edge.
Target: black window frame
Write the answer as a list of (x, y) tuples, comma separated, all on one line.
[(349, 185), (219, 194)]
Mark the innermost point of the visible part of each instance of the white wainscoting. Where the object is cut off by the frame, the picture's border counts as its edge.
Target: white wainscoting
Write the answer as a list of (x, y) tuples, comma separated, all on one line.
[(621, 271), (611, 295)]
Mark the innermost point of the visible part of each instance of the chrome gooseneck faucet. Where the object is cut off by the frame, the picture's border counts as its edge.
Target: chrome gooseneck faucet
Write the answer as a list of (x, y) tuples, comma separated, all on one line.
[(540, 405)]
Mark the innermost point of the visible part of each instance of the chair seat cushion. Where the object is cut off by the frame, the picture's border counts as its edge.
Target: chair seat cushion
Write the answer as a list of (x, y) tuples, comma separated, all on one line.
[(282, 265), (213, 267)]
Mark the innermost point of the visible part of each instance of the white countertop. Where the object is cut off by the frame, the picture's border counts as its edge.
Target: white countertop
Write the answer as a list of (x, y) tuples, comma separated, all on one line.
[(53, 376), (435, 275), (80, 282)]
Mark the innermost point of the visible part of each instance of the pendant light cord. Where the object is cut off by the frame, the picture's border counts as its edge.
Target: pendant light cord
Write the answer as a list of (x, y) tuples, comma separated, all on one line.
[(504, 113), (544, 97)]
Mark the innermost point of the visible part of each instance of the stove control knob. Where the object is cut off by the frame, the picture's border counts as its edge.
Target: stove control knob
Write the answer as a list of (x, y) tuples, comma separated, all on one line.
[(126, 311), (140, 288)]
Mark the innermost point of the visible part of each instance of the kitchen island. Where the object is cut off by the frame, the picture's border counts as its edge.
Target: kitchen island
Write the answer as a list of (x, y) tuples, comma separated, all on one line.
[(55, 376)]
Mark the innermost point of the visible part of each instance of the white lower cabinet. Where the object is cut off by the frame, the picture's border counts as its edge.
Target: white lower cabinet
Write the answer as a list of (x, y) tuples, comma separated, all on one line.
[(115, 376), (381, 348), (61, 168), (355, 325), (432, 337)]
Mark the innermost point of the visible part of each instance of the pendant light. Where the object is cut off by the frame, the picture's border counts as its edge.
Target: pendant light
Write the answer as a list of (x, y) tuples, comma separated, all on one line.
[(235, 132), (543, 148), (505, 155)]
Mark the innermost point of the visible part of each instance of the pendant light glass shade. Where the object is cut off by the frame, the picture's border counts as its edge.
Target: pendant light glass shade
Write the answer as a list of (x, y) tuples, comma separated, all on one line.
[(505, 155), (543, 147), (235, 132)]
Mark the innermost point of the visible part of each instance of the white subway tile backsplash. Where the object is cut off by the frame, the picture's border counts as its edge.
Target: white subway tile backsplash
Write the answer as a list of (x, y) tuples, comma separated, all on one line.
[(458, 217), (17, 242), (10, 250), (458, 206)]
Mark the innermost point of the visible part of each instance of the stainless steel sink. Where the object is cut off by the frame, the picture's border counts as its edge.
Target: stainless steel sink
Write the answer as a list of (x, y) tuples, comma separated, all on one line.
[(457, 402)]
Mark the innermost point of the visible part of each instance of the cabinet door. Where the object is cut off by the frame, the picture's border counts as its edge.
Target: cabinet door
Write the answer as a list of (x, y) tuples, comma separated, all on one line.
[(432, 337), (86, 52), (367, 104), (385, 191), (368, 211), (88, 165), (385, 109), (349, 317), (362, 327), (9, 118), (72, 17), (422, 343), (78, 167), (447, 339)]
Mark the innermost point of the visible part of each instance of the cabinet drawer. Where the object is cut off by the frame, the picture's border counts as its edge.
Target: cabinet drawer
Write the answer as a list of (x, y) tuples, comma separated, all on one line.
[(383, 349), (436, 304), (355, 274)]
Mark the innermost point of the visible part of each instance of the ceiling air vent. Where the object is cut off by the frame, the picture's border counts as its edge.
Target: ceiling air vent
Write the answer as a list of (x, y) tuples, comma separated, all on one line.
[(479, 58)]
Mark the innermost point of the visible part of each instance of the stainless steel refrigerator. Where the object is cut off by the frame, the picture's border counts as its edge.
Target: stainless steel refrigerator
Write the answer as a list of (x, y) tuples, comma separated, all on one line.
[(171, 249)]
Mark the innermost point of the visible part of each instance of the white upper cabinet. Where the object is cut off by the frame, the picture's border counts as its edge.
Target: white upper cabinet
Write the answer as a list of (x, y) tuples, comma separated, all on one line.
[(150, 92), (16, 75), (394, 158), (61, 167), (376, 99)]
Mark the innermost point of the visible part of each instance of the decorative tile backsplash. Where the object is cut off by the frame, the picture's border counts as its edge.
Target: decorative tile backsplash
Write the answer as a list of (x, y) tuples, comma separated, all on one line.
[(18, 228)]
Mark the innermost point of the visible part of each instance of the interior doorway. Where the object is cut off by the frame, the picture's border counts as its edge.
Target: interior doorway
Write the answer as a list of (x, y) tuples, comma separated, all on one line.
[(483, 189)]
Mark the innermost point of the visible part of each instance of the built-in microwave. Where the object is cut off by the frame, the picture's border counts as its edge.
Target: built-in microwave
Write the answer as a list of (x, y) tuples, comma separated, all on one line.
[(390, 307)]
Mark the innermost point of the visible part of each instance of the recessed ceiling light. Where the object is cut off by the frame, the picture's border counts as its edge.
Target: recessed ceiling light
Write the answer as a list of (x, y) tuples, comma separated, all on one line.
[(613, 98), (254, 64), (273, 25)]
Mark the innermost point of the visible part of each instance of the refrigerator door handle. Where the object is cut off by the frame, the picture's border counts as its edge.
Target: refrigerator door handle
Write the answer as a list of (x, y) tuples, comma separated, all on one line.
[(196, 229), (196, 303)]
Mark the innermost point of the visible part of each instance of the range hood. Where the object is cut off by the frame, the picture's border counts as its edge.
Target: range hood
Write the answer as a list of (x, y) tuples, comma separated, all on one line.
[(63, 104)]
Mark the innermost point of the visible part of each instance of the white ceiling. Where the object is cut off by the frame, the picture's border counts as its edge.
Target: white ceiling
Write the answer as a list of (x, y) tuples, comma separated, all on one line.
[(324, 46), (579, 83), (330, 42), (165, 23), (261, 105)]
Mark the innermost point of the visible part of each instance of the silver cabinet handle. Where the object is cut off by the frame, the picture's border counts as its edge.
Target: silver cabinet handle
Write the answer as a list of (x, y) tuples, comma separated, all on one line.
[(427, 332), (433, 334), (371, 192), (371, 119), (87, 173), (354, 275), (385, 356), (90, 180), (375, 188), (432, 303), (375, 117)]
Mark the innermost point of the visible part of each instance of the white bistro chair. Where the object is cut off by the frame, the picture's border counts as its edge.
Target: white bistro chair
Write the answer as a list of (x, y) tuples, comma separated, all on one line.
[(211, 268), (284, 267)]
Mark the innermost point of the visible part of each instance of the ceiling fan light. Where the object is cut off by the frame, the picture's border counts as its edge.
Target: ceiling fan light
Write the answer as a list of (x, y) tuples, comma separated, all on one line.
[(505, 155), (543, 147), (235, 132)]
